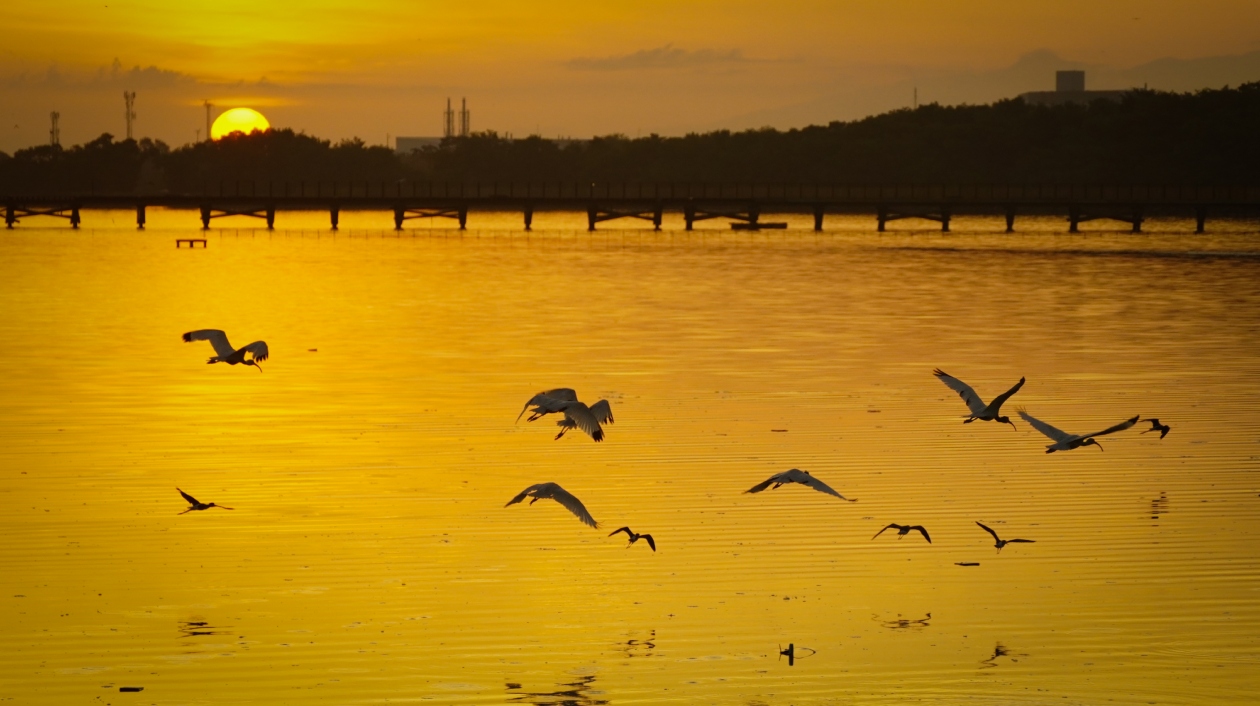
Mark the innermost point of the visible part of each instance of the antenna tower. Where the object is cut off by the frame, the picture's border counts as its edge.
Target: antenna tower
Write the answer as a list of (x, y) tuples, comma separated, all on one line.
[(129, 97), (448, 121), (208, 105), (54, 135), (465, 119)]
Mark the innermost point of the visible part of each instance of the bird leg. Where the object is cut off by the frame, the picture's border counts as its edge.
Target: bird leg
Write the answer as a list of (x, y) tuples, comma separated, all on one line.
[(562, 431)]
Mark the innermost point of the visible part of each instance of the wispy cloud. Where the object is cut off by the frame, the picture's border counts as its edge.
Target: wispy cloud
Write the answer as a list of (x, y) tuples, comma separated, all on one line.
[(666, 57)]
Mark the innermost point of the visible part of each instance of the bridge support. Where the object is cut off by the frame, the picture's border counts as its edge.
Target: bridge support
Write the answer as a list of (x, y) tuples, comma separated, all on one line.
[(529, 216), (1010, 220), (595, 214), (750, 215), (883, 215), (1200, 218), (334, 215), (140, 217), (819, 210), (13, 213), (402, 213), (209, 212), (1134, 218)]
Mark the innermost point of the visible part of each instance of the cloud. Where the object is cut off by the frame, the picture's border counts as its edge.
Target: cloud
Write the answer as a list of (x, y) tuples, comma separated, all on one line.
[(666, 57)]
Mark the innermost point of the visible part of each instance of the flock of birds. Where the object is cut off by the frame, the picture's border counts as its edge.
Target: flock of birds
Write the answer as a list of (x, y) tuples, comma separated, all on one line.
[(592, 418)]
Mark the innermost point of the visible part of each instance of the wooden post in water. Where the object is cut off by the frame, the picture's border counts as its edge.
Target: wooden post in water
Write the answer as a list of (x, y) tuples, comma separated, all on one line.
[(529, 216), (9, 217), (591, 213), (657, 216), (1010, 219), (945, 215), (1200, 218), (334, 214), (819, 211), (881, 215), (140, 217), (1137, 219), (689, 214), (1074, 219)]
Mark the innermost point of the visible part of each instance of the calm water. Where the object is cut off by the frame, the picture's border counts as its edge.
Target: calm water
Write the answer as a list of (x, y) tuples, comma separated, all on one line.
[(369, 558)]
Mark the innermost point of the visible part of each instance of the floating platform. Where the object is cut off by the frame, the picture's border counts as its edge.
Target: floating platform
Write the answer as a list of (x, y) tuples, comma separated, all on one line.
[(774, 225)]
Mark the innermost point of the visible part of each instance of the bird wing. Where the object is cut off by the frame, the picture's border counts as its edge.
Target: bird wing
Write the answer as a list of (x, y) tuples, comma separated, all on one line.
[(623, 529), (573, 505), (651, 543), (191, 500), (1052, 432), (217, 339), (524, 494), (986, 529), (819, 485), (996, 404), (968, 395), (1113, 429), (602, 411), (882, 531), (258, 349), (581, 415), (764, 484), (922, 532)]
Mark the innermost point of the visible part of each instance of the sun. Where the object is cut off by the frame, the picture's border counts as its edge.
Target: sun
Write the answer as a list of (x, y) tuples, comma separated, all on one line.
[(245, 120)]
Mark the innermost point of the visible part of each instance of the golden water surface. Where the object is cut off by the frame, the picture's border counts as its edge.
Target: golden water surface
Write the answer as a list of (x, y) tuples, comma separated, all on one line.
[(369, 557)]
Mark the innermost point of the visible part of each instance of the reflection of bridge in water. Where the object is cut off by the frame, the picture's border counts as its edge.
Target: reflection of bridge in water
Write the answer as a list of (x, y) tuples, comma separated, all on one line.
[(743, 205)]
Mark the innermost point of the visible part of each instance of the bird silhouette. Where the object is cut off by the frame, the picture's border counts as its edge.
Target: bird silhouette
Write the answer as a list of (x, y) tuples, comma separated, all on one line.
[(979, 410), (576, 414), (999, 542), (553, 491), (634, 537), (195, 504), (224, 351), (1064, 441), (903, 530), (1163, 429), (546, 402), (796, 475)]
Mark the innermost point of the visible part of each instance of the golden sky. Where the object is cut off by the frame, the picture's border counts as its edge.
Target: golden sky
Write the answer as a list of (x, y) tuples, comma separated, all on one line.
[(377, 67)]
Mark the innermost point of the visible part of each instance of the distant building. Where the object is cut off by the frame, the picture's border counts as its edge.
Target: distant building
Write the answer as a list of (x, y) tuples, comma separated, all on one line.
[(404, 145), (1069, 87)]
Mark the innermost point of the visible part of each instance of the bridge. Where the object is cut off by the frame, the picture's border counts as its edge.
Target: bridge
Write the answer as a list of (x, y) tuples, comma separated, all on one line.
[(742, 204)]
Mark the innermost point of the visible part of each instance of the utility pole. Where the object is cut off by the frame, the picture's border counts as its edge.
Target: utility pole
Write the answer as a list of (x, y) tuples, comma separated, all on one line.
[(208, 105), (448, 121), (54, 135), (129, 97)]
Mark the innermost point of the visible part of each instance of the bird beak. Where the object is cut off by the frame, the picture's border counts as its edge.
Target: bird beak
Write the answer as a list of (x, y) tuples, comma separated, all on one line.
[(1013, 425), (1100, 448), (256, 365)]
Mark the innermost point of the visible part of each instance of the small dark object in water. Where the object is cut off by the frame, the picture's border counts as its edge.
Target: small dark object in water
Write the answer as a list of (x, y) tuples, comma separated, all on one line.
[(131, 688), (967, 563), (312, 350), (779, 430), (873, 411)]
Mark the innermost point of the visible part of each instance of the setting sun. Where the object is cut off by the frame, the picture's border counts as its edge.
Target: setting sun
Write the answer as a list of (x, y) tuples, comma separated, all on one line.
[(244, 120)]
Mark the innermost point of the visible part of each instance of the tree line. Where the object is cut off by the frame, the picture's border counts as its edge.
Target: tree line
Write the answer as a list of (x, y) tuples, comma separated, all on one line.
[(1146, 137)]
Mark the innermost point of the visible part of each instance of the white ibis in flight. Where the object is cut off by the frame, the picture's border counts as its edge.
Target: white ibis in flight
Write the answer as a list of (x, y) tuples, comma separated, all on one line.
[(553, 491), (1064, 441), (979, 410), (225, 353), (903, 530), (796, 475)]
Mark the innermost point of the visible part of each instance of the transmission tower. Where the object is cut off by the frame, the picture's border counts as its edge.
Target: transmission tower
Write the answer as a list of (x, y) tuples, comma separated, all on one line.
[(448, 121), (54, 135), (129, 97), (465, 119), (209, 106)]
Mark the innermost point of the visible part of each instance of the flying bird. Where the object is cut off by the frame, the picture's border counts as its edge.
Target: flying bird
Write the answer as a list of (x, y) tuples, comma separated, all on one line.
[(553, 491), (225, 353), (903, 530), (634, 537), (796, 475), (999, 542), (1163, 429), (545, 403), (588, 419), (1064, 441), (979, 410), (195, 504), (576, 414)]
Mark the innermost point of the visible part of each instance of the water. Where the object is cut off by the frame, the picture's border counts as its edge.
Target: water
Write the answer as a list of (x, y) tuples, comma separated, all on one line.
[(369, 558)]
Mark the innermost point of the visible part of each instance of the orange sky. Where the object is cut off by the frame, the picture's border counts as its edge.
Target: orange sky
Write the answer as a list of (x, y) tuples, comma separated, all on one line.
[(377, 67)]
